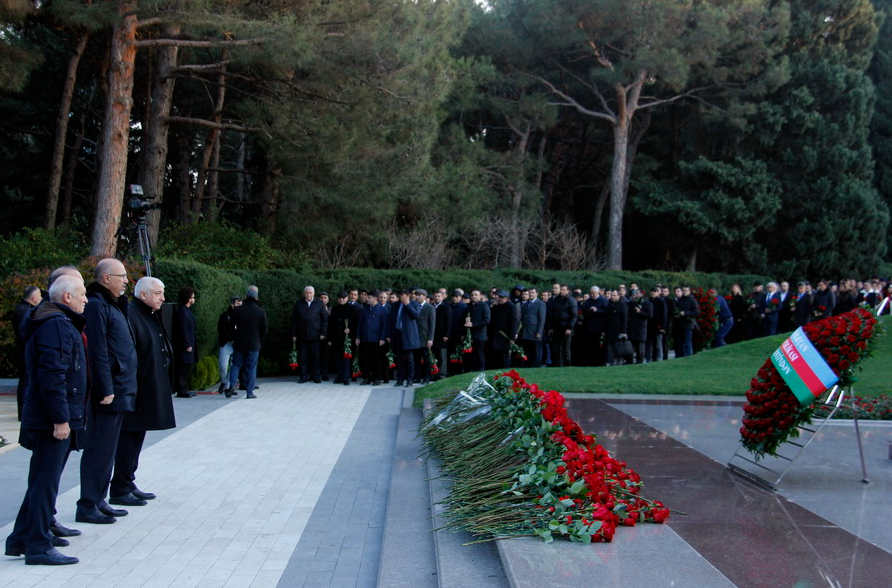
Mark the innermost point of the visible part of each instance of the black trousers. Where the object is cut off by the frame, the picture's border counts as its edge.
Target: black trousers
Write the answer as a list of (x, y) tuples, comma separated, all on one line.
[(405, 360), (99, 457), (371, 361), (309, 359), (32, 525), (126, 461), (183, 371)]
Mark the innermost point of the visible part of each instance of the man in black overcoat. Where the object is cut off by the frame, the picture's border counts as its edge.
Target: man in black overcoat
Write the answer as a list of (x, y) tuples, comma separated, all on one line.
[(309, 327), (154, 406), (251, 326), (30, 299)]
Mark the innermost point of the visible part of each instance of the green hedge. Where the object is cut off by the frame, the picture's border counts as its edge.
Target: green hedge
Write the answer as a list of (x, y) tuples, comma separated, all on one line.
[(213, 289), (204, 373)]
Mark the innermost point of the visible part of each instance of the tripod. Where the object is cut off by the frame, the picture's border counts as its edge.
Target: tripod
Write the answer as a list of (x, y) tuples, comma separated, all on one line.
[(136, 234)]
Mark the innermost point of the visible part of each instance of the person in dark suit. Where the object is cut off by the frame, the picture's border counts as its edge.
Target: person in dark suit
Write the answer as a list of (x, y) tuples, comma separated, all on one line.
[(371, 337), (754, 304), (594, 319), (458, 332), (403, 337), (670, 314), (309, 327), (617, 326), (427, 326), (640, 310), (737, 304), (561, 322), (823, 301), (251, 327), (52, 416), (656, 326), (686, 312), (802, 306), (342, 327), (477, 320), (113, 364), (785, 321), (154, 406), (532, 329), (442, 332), (770, 311), (184, 339), (503, 324), (30, 299)]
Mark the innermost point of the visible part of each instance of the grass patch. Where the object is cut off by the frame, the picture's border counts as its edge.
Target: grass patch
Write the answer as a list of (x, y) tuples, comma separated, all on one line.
[(726, 372)]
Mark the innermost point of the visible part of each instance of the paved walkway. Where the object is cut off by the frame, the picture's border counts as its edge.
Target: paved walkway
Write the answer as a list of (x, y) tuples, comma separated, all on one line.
[(237, 489)]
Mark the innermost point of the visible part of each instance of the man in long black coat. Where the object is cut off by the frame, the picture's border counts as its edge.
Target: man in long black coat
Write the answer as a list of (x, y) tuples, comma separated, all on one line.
[(309, 327), (184, 341), (343, 323), (503, 324), (154, 406)]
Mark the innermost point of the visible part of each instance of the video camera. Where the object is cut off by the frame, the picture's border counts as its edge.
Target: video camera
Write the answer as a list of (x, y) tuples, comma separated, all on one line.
[(138, 205)]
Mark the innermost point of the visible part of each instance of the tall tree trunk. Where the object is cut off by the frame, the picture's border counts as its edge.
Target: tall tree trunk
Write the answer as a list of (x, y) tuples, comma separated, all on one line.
[(58, 158), (115, 133), (154, 151), (269, 203), (692, 261), (617, 194), (212, 143), (184, 176), (595, 239)]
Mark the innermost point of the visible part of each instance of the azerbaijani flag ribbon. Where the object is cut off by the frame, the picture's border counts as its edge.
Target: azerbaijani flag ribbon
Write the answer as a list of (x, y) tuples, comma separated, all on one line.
[(803, 368)]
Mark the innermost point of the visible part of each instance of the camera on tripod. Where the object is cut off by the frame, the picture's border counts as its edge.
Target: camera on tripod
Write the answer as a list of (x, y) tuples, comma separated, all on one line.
[(138, 205)]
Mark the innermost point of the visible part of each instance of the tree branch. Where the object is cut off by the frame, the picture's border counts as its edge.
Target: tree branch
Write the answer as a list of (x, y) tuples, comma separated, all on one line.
[(210, 124), (191, 43), (569, 101)]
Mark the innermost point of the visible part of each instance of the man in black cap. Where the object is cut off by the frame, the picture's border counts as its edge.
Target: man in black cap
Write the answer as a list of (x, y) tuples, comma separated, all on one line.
[(503, 322), (250, 329), (342, 327)]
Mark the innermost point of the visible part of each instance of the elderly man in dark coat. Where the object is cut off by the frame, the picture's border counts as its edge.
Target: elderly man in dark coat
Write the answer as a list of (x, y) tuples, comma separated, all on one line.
[(477, 319), (113, 390), (342, 326), (52, 416), (309, 327), (154, 406)]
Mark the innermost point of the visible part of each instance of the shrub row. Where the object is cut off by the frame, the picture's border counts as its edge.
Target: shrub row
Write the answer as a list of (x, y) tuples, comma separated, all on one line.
[(279, 289)]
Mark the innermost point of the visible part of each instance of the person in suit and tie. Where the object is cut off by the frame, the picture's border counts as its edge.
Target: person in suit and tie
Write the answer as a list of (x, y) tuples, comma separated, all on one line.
[(371, 338), (403, 337), (442, 332), (532, 329), (769, 310), (309, 326)]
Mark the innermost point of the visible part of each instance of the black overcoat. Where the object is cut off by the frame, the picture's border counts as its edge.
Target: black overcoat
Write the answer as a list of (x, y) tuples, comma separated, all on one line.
[(154, 405)]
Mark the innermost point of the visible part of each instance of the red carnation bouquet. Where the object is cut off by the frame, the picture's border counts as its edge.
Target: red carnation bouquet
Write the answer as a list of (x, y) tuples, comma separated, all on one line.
[(707, 320), (772, 413)]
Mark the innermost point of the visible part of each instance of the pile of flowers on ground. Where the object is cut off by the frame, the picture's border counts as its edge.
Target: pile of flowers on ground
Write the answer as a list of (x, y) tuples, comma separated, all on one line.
[(878, 408), (520, 466), (707, 320), (772, 413)]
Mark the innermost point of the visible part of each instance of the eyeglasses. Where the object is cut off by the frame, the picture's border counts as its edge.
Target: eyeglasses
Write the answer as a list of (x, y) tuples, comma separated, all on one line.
[(117, 275)]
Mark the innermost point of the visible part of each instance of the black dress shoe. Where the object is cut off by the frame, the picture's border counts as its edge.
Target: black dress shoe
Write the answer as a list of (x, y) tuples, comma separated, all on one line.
[(399, 384), (60, 531), (346, 383), (365, 383), (144, 495), (231, 392), (18, 550), (317, 380), (93, 516), (53, 557), (127, 500), (108, 511), (183, 395), (302, 381), (191, 393), (376, 382), (222, 388)]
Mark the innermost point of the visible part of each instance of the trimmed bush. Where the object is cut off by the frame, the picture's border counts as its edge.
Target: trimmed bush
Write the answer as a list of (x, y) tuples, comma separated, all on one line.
[(213, 289), (204, 374), (39, 248)]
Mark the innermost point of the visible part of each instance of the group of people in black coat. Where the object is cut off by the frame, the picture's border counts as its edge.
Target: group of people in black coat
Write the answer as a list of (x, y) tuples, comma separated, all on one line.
[(97, 377)]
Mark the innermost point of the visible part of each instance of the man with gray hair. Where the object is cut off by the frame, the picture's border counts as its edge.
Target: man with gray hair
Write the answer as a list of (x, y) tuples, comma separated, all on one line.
[(309, 326), (52, 416), (154, 405), (250, 324)]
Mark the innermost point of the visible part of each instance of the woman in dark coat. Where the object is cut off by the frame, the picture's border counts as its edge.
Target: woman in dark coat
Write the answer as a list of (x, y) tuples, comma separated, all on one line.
[(185, 341), (154, 406), (737, 304)]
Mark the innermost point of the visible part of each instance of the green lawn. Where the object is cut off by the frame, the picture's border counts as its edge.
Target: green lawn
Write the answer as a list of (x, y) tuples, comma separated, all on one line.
[(726, 371)]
